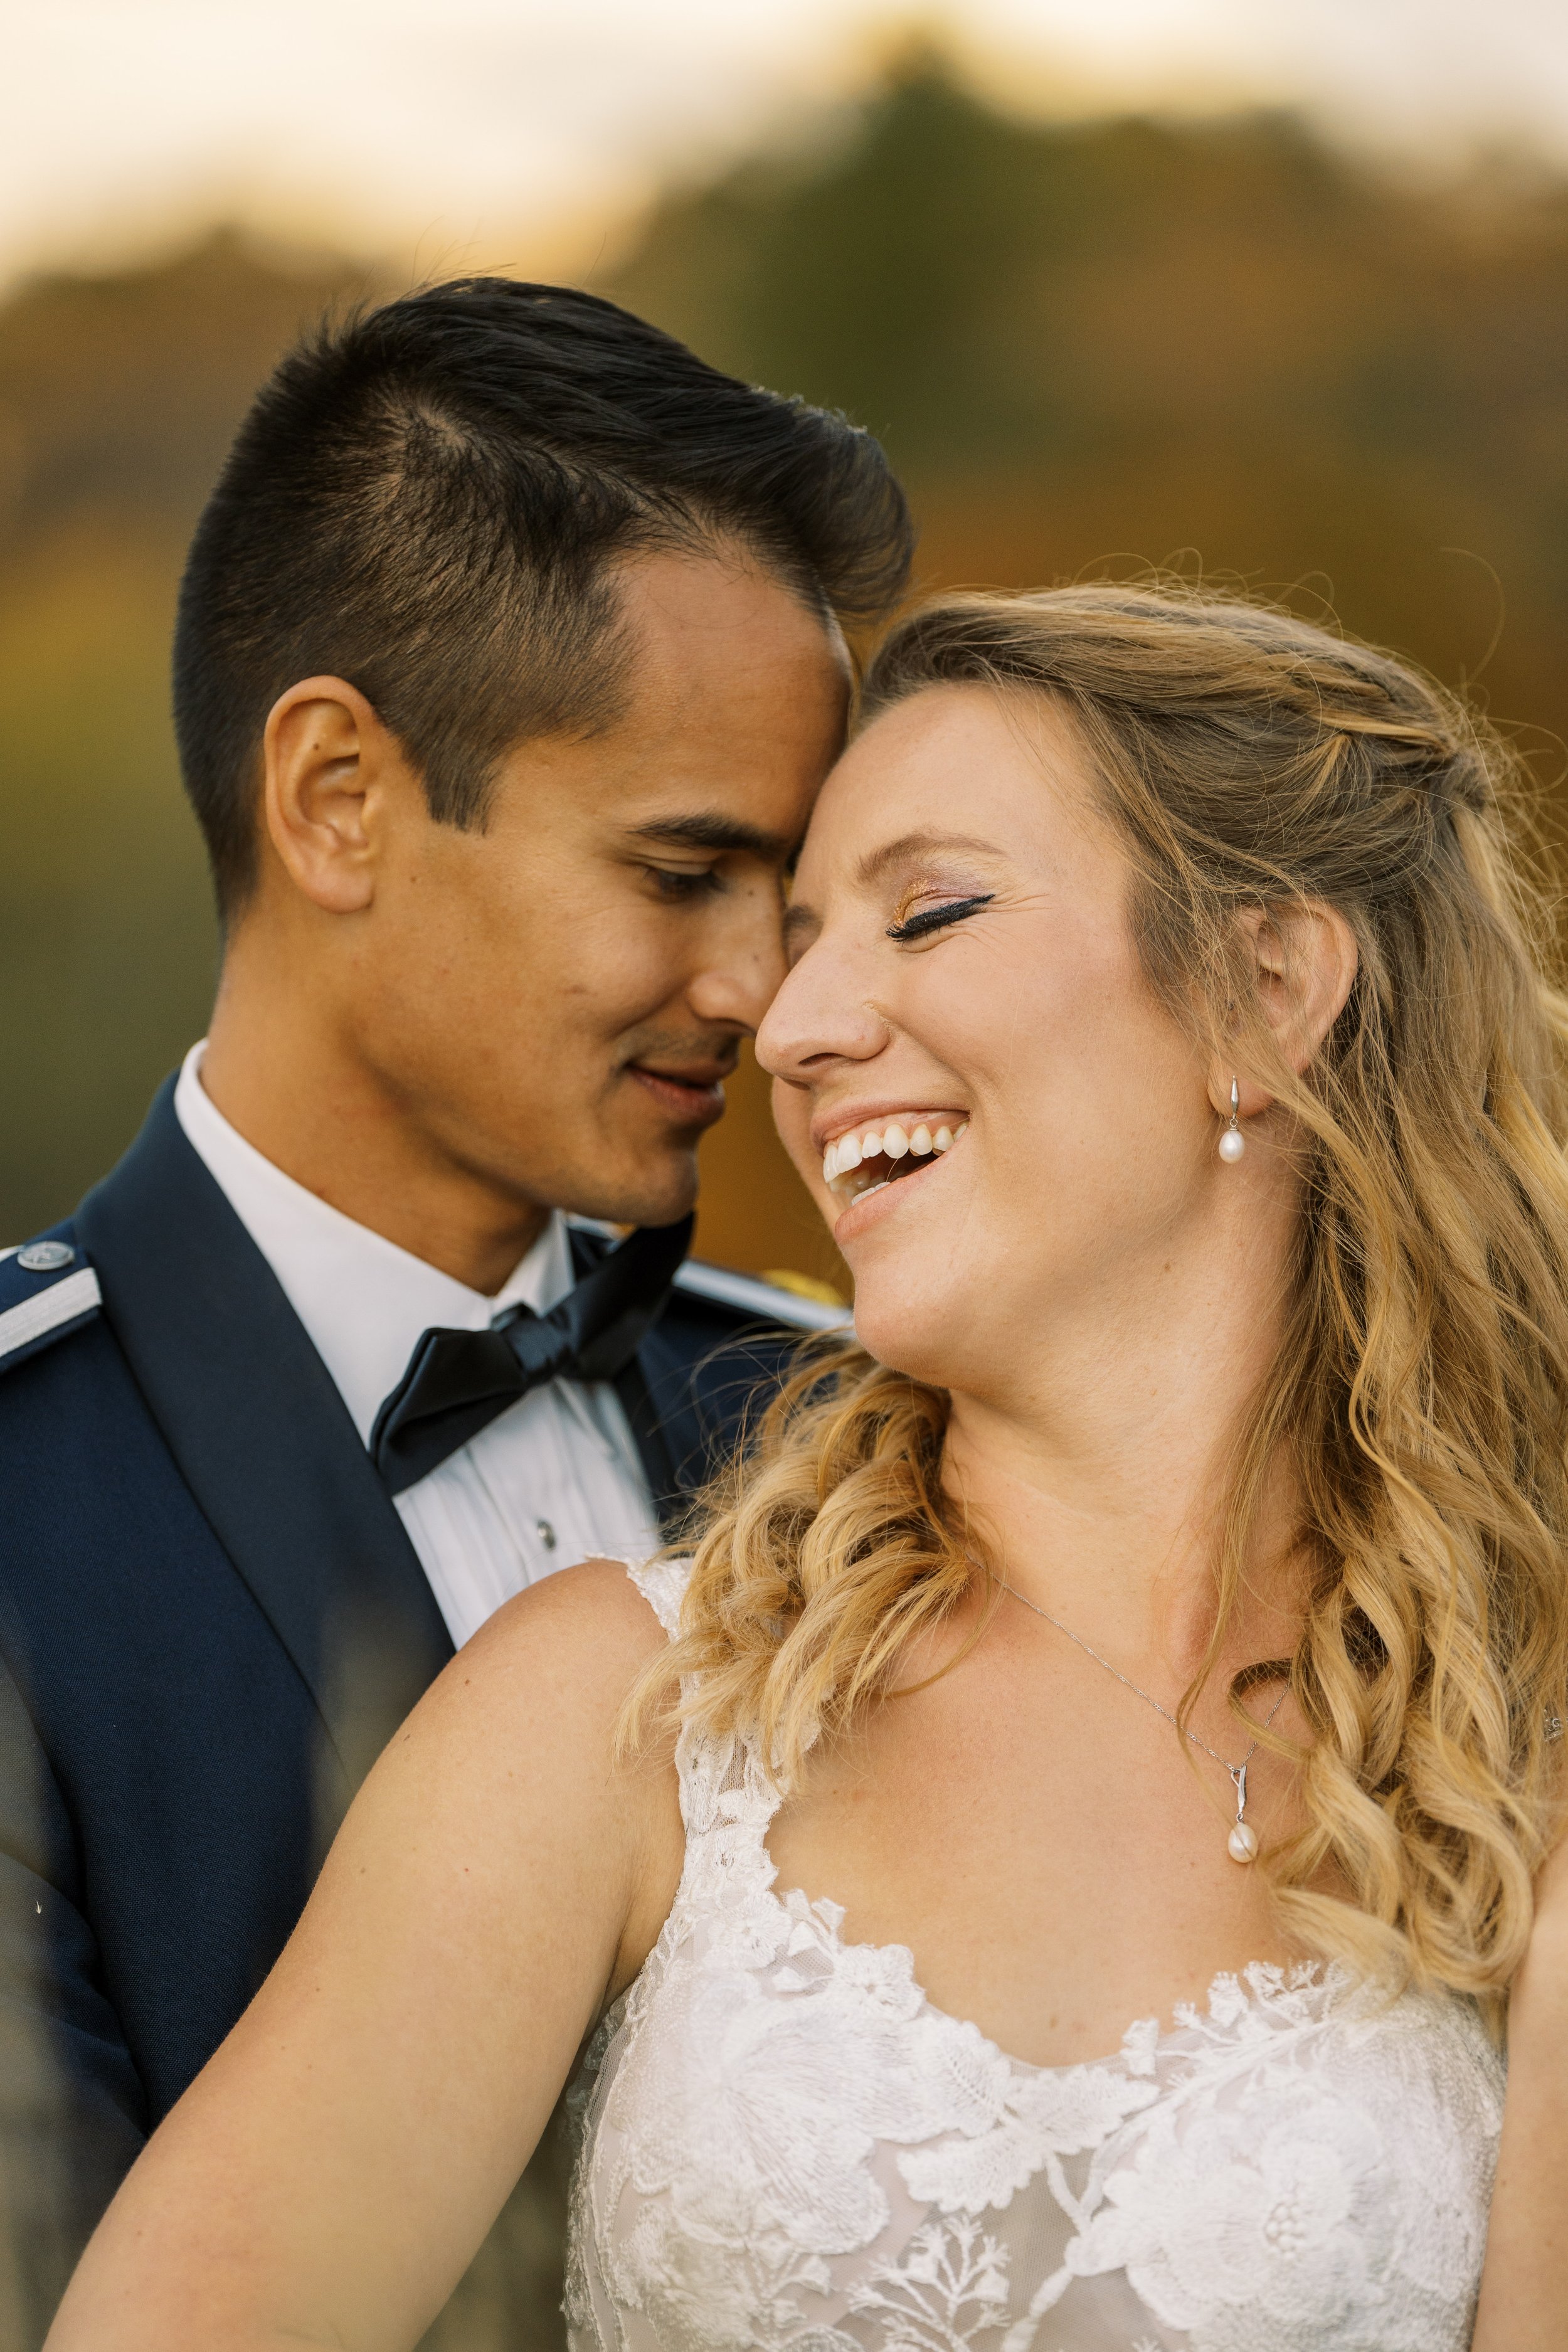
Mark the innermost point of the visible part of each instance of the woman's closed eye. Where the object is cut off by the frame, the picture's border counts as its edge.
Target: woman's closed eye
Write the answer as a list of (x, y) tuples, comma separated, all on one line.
[(936, 919)]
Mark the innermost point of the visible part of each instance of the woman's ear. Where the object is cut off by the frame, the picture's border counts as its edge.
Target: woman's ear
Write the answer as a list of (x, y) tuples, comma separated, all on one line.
[(1304, 958), (325, 752)]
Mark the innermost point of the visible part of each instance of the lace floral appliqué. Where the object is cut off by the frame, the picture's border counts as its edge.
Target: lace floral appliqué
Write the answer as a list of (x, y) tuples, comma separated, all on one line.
[(785, 2145)]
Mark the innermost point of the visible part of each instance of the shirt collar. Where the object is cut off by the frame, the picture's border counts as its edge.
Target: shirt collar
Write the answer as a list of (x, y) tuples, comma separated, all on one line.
[(363, 1301)]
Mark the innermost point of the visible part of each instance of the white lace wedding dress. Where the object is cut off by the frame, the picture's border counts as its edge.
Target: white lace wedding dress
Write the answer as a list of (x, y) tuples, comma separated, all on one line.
[(785, 2143)]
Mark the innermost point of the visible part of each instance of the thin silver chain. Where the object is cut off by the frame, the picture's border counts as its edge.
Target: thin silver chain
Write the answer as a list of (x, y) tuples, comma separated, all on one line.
[(1234, 1769)]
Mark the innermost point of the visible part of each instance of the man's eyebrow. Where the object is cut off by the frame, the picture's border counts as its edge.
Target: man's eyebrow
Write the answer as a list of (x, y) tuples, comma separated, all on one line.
[(709, 829), (911, 848)]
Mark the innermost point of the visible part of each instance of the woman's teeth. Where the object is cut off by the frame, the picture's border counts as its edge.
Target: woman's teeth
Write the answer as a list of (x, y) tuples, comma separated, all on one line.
[(868, 1158)]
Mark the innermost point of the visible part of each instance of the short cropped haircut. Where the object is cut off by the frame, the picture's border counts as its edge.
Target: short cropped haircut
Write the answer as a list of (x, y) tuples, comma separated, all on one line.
[(424, 500)]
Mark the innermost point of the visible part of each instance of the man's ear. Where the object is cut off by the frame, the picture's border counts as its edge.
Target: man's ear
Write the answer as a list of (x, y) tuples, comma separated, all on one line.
[(327, 762), (1305, 959)]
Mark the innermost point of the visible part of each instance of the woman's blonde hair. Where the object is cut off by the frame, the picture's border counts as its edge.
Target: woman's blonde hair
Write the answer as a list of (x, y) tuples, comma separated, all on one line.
[(1248, 761)]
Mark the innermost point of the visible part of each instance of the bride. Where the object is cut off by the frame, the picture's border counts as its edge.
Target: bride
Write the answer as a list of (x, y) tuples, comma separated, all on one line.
[(1053, 1867)]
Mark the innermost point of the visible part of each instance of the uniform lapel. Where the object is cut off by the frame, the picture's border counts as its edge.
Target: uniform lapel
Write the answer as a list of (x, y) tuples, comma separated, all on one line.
[(264, 1441), (693, 1389), (650, 1426)]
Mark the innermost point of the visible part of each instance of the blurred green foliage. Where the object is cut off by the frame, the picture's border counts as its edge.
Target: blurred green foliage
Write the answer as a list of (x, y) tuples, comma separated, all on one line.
[(1085, 345), (117, 398), (1134, 339)]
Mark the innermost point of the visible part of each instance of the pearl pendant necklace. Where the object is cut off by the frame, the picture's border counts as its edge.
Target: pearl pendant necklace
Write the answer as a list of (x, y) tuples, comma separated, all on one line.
[(1242, 1843)]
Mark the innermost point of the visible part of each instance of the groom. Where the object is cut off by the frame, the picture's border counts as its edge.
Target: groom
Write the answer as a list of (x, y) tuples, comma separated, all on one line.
[(508, 665)]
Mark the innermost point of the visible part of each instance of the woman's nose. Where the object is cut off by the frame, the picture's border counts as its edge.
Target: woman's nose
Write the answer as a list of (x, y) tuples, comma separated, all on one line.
[(823, 1013)]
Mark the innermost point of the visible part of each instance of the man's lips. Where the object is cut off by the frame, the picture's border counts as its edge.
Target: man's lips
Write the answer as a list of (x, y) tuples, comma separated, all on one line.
[(696, 1097)]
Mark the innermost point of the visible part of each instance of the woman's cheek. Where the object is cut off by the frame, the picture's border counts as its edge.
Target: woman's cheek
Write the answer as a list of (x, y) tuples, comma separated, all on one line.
[(792, 1117)]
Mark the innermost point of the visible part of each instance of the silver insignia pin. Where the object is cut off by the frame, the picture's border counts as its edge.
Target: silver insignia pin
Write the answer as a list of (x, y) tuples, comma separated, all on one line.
[(45, 1257)]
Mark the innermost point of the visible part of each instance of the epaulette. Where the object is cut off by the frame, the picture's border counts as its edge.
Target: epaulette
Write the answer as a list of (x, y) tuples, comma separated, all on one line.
[(795, 1300), (798, 1302), (46, 1289)]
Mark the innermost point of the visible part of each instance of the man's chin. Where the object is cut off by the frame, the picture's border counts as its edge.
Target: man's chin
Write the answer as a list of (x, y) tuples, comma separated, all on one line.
[(655, 1189)]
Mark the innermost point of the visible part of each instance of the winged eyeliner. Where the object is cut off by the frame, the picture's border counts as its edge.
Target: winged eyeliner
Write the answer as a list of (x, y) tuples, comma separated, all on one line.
[(934, 918)]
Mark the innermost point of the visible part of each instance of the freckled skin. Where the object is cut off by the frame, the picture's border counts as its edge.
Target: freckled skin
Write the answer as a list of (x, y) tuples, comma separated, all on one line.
[(1091, 1286)]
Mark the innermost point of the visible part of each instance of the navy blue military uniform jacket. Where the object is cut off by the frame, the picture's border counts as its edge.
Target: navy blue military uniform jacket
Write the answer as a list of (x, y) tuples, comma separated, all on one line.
[(211, 1621)]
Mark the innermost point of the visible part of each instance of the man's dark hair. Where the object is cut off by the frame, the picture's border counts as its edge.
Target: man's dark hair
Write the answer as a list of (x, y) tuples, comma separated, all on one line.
[(425, 499)]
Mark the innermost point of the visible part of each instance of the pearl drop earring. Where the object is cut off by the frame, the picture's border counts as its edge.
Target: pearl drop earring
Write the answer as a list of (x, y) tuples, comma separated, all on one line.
[(1233, 1143)]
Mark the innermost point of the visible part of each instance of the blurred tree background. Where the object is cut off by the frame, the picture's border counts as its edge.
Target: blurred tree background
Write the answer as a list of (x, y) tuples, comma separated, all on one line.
[(1085, 346)]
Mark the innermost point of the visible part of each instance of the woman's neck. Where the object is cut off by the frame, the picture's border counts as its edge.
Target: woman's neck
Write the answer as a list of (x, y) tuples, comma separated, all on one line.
[(1099, 1476)]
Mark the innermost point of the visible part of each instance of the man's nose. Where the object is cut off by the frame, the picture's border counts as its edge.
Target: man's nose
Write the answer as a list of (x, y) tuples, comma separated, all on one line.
[(738, 981)]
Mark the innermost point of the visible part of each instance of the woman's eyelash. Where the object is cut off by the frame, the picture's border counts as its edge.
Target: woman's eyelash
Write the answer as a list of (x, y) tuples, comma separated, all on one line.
[(935, 919)]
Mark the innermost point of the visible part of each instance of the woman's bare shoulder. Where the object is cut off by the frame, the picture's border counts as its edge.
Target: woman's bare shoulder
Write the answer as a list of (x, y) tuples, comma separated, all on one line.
[(558, 1660), (596, 1611), (512, 1768)]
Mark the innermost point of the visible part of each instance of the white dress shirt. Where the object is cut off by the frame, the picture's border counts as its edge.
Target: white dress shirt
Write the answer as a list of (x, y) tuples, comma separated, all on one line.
[(553, 1479)]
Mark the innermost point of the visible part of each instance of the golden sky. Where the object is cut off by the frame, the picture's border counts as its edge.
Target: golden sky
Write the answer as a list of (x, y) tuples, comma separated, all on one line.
[(475, 131)]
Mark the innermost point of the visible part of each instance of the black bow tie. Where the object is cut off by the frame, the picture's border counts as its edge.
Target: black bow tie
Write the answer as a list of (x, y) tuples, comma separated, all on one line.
[(457, 1381)]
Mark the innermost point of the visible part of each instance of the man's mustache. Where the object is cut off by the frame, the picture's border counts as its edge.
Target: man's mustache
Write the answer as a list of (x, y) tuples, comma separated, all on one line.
[(702, 1057)]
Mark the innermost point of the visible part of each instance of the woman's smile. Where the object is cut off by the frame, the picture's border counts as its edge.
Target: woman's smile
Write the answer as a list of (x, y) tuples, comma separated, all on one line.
[(885, 1176), (862, 1158)]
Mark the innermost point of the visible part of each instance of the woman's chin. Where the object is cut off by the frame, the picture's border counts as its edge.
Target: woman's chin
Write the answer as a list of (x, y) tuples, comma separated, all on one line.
[(897, 1239), (910, 1332), (910, 1312)]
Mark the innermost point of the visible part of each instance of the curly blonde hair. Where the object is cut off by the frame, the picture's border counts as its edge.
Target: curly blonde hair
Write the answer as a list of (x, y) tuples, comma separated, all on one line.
[(1248, 760)]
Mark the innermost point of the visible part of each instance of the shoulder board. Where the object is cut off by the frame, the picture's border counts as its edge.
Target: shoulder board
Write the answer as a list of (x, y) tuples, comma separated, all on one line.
[(759, 1300), (747, 1295), (46, 1289)]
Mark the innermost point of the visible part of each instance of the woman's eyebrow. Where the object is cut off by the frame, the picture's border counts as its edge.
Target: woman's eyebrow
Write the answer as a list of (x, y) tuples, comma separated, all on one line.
[(800, 923), (911, 848)]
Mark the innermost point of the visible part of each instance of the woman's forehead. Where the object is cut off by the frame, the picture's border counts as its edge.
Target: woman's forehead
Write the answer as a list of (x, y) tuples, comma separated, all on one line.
[(963, 764)]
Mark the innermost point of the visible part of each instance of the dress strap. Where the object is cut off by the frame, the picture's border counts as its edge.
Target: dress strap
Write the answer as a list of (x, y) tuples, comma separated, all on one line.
[(724, 1790), (662, 1583)]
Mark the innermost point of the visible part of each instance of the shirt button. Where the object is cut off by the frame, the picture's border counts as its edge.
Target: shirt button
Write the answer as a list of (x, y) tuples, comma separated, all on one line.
[(546, 1534)]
